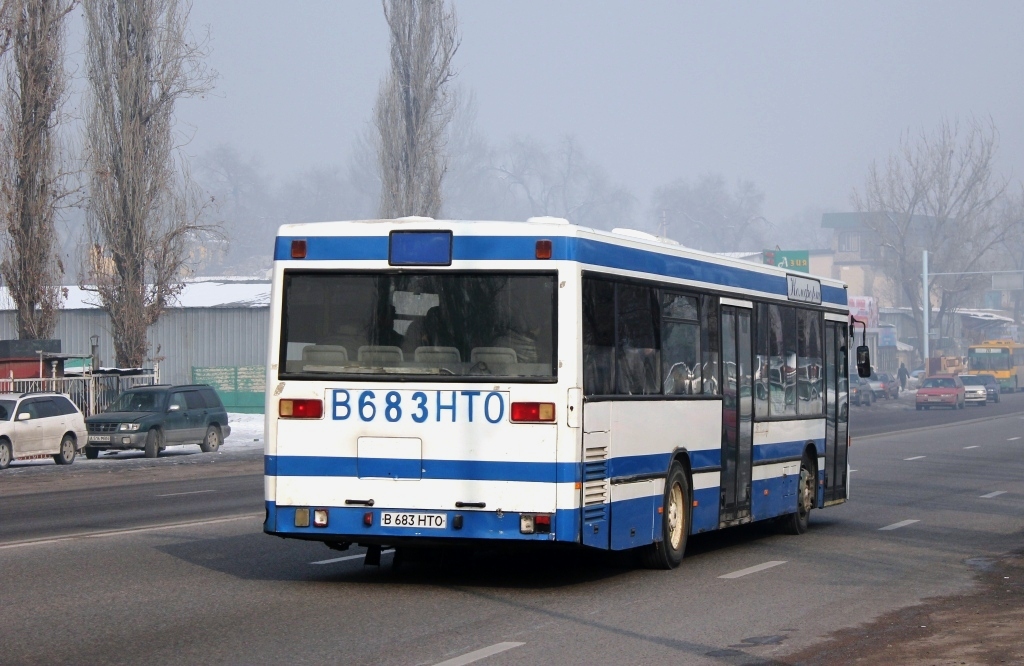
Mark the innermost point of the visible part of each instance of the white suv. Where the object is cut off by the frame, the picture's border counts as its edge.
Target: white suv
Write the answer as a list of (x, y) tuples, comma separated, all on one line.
[(40, 424)]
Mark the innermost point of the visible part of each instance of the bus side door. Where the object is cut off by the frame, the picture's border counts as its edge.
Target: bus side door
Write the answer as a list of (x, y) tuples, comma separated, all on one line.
[(837, 410)]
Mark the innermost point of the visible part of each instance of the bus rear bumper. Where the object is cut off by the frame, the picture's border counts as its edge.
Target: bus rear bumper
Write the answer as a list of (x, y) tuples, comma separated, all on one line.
[(363, 525)]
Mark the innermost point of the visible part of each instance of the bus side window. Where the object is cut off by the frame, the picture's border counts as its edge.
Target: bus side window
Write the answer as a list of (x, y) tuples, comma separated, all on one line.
[(709, 343), (638, 350), (680, 339), (598, 337), (762, 370)]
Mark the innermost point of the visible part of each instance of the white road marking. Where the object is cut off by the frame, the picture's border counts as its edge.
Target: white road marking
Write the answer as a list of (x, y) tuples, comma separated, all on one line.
[(133, 530), (350, 557), (1013, 439), (191, 492), (997, 493), (753, 569), (896, 526), (914, 458), (971, 447), (477, 655)]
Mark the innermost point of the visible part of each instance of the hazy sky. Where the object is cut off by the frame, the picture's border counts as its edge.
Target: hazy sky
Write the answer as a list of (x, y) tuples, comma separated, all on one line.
[(797, 97)]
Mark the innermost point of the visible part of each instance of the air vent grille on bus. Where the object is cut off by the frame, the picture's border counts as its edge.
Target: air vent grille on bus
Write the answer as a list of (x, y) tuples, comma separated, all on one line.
[(595, 483)]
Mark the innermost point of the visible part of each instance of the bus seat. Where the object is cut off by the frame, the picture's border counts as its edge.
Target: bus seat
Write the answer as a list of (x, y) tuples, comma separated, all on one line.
[(380, 355), (493, 355), (324, 355), (438, 355)]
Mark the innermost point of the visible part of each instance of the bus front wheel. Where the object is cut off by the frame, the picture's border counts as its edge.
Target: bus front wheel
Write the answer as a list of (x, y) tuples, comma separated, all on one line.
[(675, 523)]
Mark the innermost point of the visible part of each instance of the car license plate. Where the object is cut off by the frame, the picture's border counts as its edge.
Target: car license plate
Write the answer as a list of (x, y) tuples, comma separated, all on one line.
[(935, 398), (99, 438), (434, 521)]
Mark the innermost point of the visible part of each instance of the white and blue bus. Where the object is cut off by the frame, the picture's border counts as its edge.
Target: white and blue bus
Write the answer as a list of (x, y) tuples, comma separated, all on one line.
[(434, 382)]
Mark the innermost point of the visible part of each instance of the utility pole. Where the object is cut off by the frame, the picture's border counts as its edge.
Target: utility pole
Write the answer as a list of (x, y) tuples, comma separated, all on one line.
[(926, 310)]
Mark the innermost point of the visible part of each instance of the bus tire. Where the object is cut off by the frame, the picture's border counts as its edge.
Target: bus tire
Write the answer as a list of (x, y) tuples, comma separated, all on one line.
[(667, 552), (797, 522)]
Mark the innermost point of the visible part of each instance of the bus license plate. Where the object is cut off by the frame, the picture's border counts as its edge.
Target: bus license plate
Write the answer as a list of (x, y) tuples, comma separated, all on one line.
[(434, 521), (99, 438)]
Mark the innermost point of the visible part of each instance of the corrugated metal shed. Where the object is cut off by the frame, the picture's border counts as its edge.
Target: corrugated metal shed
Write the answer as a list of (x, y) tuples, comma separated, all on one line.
[(230, 330)]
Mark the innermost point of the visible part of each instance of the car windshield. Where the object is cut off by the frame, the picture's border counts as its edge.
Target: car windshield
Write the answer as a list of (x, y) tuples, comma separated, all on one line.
[(938, 382), (6, 409), (138, 401), (968, 380)]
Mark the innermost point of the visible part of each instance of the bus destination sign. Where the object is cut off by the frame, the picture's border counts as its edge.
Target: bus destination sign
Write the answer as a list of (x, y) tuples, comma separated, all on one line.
[(804, 290)]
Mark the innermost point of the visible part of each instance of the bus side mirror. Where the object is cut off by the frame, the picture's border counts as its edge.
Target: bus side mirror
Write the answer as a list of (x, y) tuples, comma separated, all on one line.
[(864, 361)]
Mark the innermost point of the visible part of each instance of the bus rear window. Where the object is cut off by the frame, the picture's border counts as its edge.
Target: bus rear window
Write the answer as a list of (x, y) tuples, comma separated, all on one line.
[(468, 325)]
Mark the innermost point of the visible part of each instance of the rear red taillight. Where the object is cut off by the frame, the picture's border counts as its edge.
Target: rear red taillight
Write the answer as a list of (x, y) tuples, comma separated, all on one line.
[(533, 412), (301, 409), (543, 249)]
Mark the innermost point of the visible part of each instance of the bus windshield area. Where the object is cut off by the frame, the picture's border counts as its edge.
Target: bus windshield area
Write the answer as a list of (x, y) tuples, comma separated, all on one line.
[(363, 326), (988, 359)]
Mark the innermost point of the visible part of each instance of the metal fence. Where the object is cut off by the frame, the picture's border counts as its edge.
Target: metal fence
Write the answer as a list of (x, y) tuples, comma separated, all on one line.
[(92, 393), (241, 389)]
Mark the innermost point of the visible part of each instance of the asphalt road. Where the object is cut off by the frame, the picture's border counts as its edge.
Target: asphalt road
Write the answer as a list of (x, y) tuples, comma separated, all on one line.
[(163, 562)]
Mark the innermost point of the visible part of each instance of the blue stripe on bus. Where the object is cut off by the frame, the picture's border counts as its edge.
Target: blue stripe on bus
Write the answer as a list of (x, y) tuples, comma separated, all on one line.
[(657, 463), (523, 248), (346, 523), (766, 453), (468, 470), (485, 470)]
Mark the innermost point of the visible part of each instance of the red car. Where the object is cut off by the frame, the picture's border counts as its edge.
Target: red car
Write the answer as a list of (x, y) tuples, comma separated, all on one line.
[(941, 391)]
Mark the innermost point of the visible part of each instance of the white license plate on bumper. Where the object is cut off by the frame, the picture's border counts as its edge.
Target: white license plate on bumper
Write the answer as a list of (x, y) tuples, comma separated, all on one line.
[(99, 438), (434, 521)]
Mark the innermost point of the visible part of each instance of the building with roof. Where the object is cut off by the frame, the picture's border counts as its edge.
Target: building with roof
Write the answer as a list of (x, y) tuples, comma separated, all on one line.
[(214, 322)]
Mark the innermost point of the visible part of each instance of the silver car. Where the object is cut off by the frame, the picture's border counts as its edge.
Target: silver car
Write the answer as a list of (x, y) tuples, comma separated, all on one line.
[(975, 391), (40, 424)]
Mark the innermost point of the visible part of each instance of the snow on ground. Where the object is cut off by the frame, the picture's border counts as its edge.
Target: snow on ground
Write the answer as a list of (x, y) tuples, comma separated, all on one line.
[(246, 432)]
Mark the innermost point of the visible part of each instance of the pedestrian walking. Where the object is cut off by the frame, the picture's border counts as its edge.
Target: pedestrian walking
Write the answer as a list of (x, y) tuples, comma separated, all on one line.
[(902, 374)]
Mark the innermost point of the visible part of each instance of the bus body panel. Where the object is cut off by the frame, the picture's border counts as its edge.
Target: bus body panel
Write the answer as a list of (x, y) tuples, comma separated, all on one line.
[(599, 471), (628, 445)]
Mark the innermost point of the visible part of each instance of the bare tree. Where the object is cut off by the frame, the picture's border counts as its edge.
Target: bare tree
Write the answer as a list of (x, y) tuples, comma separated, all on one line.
[(242, 200), (144, 213), (415, 105), (936, 192), (6, 24), (707, 216), (1010, 253), (564, 183), (33, 165)]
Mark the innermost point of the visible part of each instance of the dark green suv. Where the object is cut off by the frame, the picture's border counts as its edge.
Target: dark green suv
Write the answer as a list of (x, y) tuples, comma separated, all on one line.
[(152, 418)]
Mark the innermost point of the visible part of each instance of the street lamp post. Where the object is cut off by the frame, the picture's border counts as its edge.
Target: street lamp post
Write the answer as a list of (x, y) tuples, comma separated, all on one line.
[(926, 308)]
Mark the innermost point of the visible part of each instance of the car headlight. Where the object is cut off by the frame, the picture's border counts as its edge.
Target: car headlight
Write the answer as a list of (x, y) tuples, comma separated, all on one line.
[(128, 426)]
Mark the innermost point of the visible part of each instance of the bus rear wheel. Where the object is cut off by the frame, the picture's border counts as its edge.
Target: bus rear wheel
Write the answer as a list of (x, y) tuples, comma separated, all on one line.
[(675, 523), (797, 522)]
